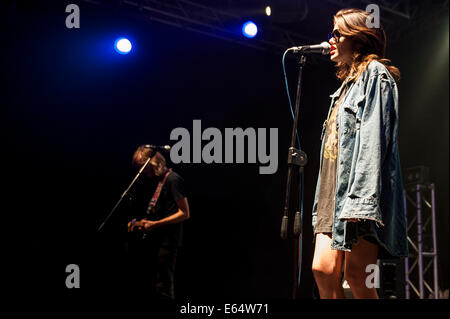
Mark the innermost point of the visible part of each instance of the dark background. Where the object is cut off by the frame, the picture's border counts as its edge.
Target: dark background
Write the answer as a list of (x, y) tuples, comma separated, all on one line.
[(76, 111)]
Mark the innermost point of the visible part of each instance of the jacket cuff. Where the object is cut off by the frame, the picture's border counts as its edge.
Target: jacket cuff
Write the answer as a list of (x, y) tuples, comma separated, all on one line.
[(361, 208)]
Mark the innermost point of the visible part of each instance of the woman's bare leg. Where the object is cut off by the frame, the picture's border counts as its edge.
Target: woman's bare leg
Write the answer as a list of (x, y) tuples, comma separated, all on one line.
[(363, 254), (327, 268)]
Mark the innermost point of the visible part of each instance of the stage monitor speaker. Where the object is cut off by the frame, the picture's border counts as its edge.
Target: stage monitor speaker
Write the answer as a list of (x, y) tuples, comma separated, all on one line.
[(392, 279)]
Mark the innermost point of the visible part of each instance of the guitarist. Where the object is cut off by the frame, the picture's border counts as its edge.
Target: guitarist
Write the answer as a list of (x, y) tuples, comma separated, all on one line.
[(159, 208)]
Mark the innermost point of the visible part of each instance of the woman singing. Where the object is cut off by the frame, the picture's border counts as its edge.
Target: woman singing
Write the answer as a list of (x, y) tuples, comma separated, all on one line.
[(358, 213)]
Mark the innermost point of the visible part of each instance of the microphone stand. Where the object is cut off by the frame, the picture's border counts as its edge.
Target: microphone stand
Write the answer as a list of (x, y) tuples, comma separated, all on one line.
[(124, 193), (297, 159)]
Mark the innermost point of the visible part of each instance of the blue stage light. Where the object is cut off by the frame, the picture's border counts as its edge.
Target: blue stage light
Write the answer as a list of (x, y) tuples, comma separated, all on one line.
[(122, 45), (249, 29)]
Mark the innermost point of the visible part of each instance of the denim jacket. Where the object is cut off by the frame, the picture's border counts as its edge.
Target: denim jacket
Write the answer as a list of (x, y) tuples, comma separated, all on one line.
[(369, 181)]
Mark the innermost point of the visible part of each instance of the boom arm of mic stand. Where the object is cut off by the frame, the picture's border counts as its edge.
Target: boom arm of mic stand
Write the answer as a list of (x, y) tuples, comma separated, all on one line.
[(124, 193)]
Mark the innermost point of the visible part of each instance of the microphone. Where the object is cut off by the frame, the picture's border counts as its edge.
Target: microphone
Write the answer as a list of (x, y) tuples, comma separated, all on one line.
[(158, 147), (323, 48)]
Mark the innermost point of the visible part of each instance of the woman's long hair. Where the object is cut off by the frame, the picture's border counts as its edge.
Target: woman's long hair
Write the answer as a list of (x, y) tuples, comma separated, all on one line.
[(368, 44)]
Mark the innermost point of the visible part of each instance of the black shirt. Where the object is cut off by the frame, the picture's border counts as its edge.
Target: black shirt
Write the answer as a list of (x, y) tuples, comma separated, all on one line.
[(327, 192), (173, 189)]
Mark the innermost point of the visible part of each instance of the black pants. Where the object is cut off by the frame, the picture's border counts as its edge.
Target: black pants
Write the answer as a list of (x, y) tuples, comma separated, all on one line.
[(152, 269)]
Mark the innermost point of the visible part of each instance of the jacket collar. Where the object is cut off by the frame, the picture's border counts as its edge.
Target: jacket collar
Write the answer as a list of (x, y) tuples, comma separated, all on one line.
[(338, 91)]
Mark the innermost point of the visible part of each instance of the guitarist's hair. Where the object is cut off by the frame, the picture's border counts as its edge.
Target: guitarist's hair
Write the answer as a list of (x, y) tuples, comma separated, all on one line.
[(158, 161)]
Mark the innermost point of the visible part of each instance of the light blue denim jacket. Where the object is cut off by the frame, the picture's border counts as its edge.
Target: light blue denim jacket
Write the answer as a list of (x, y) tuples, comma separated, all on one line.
[(369, 180)]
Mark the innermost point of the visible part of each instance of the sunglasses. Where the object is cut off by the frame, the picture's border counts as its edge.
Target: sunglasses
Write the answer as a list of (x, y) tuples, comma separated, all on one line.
[(335, 34)]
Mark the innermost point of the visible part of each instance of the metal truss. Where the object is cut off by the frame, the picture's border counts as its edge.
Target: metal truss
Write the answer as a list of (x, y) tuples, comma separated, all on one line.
[(395, 16), (221, 19), (399, 17), (421, 266), (400, 9), (209, 21)]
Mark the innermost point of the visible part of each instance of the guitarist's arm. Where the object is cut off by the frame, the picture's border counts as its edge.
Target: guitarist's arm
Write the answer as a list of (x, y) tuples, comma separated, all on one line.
[(181, 215)]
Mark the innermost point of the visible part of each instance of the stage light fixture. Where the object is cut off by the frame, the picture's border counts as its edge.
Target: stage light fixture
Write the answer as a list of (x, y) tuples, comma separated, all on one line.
[(122, 45), (268, 11), (249, 29)]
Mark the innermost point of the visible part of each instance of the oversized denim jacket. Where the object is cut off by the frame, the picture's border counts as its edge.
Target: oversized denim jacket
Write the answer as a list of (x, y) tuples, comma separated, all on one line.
[(369, 179)]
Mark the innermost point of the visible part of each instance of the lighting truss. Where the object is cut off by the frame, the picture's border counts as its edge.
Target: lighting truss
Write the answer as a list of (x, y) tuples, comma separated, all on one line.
[(209, 21), (396, 16), (421, 266), (399, 9)]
